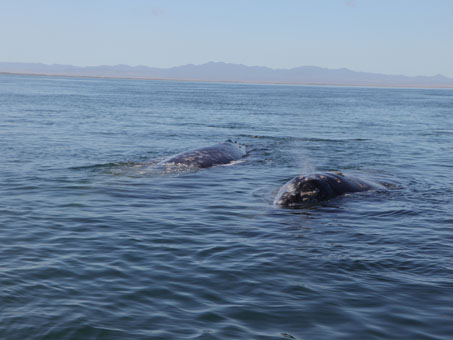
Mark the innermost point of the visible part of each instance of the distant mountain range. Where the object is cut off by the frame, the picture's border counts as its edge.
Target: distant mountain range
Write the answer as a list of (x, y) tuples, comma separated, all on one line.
[(224, 72)]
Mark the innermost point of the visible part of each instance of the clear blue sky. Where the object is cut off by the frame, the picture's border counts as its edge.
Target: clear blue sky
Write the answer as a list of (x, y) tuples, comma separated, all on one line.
[(411, 37)]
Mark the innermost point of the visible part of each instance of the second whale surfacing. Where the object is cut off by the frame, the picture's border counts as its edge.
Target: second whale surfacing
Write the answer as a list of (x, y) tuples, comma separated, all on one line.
[(205, 157), (304, 191)]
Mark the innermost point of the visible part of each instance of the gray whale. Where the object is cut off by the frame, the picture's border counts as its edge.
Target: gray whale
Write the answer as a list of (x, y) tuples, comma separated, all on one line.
[(205, 157), (304, 191)]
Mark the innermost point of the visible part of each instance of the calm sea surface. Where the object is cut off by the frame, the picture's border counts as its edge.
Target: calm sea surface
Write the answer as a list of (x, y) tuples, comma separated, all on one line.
[(94, 244)]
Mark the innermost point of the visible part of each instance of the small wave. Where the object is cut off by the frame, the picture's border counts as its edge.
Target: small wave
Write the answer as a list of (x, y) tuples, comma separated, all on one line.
[(129, 169), (305, 139), (393, 213), (144, 169), (105, 166), (239, 161)]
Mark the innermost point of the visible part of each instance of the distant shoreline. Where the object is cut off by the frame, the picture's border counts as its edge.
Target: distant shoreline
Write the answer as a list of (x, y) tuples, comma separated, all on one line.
[(398, 86)]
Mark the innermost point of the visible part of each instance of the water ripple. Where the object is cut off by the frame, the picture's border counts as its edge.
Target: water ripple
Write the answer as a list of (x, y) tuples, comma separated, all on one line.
[(96, 245)]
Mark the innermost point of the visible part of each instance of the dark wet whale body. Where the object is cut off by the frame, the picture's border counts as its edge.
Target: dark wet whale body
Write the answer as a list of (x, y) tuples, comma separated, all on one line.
[(205, 157), (303, 191)]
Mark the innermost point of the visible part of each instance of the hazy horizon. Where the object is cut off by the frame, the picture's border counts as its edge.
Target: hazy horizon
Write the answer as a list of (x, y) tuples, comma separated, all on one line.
[(389, 37), (228, 72), (222, 62)]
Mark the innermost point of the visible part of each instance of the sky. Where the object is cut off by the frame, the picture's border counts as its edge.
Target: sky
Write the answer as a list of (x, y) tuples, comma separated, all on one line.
[(409, 37)]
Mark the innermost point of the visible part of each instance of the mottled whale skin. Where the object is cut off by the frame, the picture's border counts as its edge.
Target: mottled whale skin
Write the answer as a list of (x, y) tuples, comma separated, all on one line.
[(304, 191), (205, 157)]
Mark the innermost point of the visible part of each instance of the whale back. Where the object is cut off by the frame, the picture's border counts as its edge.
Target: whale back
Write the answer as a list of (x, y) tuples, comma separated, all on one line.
[(208, 156)]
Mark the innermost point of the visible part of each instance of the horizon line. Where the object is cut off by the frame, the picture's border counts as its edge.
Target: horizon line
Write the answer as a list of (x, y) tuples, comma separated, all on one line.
[(228, 63), (387, 86)]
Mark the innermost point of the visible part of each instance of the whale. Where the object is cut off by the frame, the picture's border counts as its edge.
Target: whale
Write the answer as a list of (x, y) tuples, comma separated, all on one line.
[(304, 191), (205, 157)]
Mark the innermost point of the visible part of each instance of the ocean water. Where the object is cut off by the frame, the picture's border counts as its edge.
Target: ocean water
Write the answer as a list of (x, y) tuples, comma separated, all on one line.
[(94, 244)]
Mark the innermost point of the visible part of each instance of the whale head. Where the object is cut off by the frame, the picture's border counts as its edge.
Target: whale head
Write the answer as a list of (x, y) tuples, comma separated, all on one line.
[(303, 191)]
